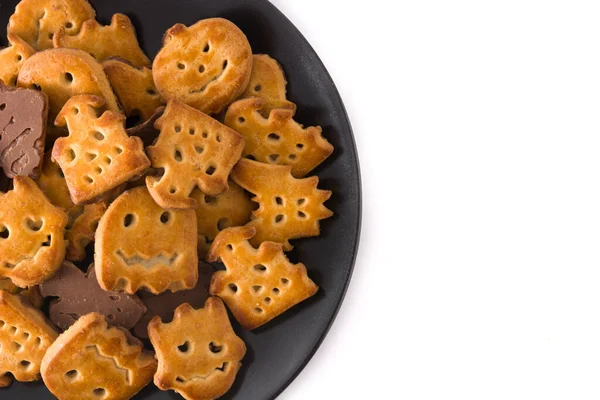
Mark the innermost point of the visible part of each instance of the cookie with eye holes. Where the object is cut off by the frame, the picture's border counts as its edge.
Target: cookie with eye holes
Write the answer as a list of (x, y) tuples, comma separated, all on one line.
[(289, 208), (36, 21), (32, 230), (214, 213), (25, 335), (12, 57), (134, 87), (64, 73), (199, 363), (193, 149), (98, 155), (206, 65), (267, 81), (277, 139), (257, 284), (141, 245), (102, 42), (92, 360)]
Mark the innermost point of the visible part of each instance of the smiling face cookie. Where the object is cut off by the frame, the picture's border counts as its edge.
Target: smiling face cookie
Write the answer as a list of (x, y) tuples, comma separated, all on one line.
[(199, 363), (206, 65), (141, 245), (64, 73), (36, 21), (32, 232)]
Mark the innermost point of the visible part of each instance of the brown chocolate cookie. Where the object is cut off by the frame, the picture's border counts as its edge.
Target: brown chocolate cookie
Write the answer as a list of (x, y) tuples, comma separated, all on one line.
[(23, 115), (80, 294)]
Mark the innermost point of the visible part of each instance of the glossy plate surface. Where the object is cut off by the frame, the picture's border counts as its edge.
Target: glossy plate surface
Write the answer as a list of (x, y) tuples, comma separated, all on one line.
[(278, 351)]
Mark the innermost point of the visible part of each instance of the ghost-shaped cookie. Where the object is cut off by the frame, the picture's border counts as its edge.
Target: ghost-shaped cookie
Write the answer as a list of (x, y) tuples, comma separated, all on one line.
[(141, 245), (199, 363)]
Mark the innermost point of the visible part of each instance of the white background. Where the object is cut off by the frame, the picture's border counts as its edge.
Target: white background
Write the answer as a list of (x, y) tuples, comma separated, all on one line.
[(478, 130)]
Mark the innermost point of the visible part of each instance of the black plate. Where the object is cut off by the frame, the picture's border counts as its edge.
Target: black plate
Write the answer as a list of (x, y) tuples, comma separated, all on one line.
[(278, 351)]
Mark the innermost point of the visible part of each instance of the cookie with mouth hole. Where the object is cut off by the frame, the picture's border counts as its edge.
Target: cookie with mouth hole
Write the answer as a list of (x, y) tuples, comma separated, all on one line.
[(12, 57), (215, 213), (194, 150), (98, 155), (199, 363), (206, 65), (102, 42), (25, 335), (36, 21), (141, 245), (32, 232), (92, 360), (257, 284), (64, 73), (267, 81), (134, 87), (277, 139), (79, 294), (289, 208)]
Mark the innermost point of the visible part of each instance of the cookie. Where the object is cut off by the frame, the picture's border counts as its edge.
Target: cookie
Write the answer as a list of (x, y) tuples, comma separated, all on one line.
[(206, 65), (214, 213), (115, 40), (277, 139), (146, 130), (81, 232), (98, 155), (36, 21), (194, 150), (31, 293), (289, 208), (23, 116), (32, 232), (12, 57), (257, 284), (199, 363), (134, 88), (267, 81), (64, 73), (25, 335), (141, 245), (164, 304), (79, 294), (92, 360)]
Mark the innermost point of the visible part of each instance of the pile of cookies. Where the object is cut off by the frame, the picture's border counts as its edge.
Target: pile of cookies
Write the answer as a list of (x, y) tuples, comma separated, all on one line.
[(149, 165)]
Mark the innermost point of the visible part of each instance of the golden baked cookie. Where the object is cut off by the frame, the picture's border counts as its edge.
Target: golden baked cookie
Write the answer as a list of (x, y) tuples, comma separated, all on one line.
[(141, 245), (134, 87), (31, 293), (199, 363), (277, 139), (25, 335), (32, 232), (83, 229), (206, 65), (215, 213), (36, 21), (267, 81), (257, 284), (102, 42), (91, 360), (98, 155), (289, 208), (12, 57), (194, 150), (64, 73)]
